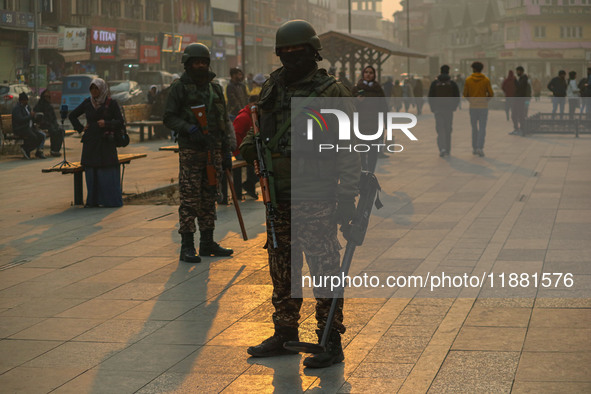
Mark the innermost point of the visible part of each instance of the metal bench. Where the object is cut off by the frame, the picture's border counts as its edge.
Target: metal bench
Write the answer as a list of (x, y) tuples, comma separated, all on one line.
[(547, 123)]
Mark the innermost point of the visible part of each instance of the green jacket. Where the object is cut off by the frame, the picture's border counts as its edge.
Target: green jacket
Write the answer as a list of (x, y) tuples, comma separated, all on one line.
[(178, 116), (334, 178)]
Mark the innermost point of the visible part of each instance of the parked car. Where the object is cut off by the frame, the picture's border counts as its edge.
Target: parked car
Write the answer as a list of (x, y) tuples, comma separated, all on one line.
[(126, 92), (162, 79), (55, 93), (75, 89), (9, 96)]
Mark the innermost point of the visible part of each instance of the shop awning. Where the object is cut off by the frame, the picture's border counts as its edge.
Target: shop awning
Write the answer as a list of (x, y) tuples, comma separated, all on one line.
[(75, 56)]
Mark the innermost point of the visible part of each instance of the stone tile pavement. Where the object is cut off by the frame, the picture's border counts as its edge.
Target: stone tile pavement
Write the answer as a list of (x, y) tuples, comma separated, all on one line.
[(95, 300)]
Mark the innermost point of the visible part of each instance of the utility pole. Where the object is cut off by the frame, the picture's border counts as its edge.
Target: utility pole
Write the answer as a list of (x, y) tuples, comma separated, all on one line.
[(172, 20), (242, 33), (349, 15), (36, 43), (408, 37)]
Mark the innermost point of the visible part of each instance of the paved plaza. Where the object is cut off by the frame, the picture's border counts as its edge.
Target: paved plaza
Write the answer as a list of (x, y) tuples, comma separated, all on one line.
[(96, 301)]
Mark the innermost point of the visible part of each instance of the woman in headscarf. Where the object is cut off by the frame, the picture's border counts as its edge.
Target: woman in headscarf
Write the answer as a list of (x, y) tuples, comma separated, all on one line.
[(153, 94), (99, 153), (49, 122), (368, 90)]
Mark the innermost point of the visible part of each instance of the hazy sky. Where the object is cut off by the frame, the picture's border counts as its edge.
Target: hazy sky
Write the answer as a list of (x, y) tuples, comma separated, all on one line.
[(389, 7)]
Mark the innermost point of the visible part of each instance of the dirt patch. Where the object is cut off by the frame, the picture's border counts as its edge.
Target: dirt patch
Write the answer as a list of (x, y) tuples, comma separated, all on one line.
[(168, 195)]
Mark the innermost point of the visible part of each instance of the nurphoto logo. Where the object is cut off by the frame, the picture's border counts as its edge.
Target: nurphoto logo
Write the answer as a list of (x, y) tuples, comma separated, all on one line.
[(345, 132)]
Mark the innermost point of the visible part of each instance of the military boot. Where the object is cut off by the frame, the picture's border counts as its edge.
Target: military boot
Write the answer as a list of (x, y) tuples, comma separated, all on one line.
[(208, 247), (332, 355), (273, 346), (188, 252)]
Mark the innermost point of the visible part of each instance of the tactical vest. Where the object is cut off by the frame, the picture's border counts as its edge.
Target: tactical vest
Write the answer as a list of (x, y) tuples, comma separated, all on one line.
[(276, 134), (275, 108), (213, 99)]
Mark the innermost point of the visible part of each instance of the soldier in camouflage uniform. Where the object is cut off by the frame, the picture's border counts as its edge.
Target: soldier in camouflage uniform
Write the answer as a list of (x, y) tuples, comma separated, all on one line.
[(302, 226), (195, 87)]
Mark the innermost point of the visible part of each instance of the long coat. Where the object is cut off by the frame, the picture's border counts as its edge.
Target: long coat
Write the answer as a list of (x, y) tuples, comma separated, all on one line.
[(97, 149)]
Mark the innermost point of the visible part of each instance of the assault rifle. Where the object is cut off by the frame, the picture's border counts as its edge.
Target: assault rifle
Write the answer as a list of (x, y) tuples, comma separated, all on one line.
[(354, 233), (262, 171)]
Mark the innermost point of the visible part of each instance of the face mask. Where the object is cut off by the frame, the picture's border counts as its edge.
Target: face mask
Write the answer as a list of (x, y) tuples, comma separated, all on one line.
[(198, 74), (298, 64)]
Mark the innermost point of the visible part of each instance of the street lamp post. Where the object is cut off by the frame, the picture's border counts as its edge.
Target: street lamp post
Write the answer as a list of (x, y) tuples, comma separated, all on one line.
[(36, 43), (408, 37)]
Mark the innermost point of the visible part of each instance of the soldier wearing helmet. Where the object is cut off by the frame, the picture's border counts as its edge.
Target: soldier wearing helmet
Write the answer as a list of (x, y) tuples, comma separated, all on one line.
[(197, 198), (298, 46)]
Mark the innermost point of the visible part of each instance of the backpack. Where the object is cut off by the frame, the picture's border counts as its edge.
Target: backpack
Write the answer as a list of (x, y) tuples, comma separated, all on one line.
[(444, 89)]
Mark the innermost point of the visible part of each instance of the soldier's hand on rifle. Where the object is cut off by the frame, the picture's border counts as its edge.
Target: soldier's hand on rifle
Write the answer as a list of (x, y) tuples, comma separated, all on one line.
[(345, 210), (195, 134), (345, 213), (227, 161)]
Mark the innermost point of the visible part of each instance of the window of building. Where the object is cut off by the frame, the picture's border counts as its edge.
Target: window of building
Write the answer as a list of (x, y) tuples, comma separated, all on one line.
[(572, 2), (571, 31), (369, 5), (540, 31), (354, 6)]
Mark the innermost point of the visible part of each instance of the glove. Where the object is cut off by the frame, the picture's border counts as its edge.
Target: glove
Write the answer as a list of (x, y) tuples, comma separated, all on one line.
[(195, 135), (345, 210), (227, 162)]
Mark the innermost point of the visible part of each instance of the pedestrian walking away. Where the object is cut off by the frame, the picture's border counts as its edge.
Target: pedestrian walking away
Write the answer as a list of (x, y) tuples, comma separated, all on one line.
[(333, 200), (557, 86), (99, 153), (204, 150), (417, 91), (585, 89), (519, 102), (397, 96), (444, 98), (509, 87), (573, 94), (478, 91)]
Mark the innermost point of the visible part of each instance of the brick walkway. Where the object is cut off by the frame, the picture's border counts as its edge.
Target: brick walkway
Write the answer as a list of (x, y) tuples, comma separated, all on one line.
[(95, 300)]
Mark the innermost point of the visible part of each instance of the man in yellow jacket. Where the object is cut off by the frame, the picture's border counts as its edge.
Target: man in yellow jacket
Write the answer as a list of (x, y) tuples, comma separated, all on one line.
[(478, 91)]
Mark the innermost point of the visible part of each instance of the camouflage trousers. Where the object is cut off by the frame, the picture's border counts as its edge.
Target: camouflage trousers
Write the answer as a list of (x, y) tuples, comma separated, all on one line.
[(197, 197), (311, 230)]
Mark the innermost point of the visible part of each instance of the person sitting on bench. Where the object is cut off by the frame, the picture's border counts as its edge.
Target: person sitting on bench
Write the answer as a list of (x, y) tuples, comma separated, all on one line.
[(22, 127)]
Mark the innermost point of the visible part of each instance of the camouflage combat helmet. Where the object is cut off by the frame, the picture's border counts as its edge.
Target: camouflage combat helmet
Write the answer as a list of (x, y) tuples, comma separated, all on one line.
[(195, 49), (296, 32)]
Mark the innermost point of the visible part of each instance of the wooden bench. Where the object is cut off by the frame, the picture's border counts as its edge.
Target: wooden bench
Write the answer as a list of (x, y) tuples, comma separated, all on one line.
[(6, 133), (175, 148), (77, 169), (138, 115)]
